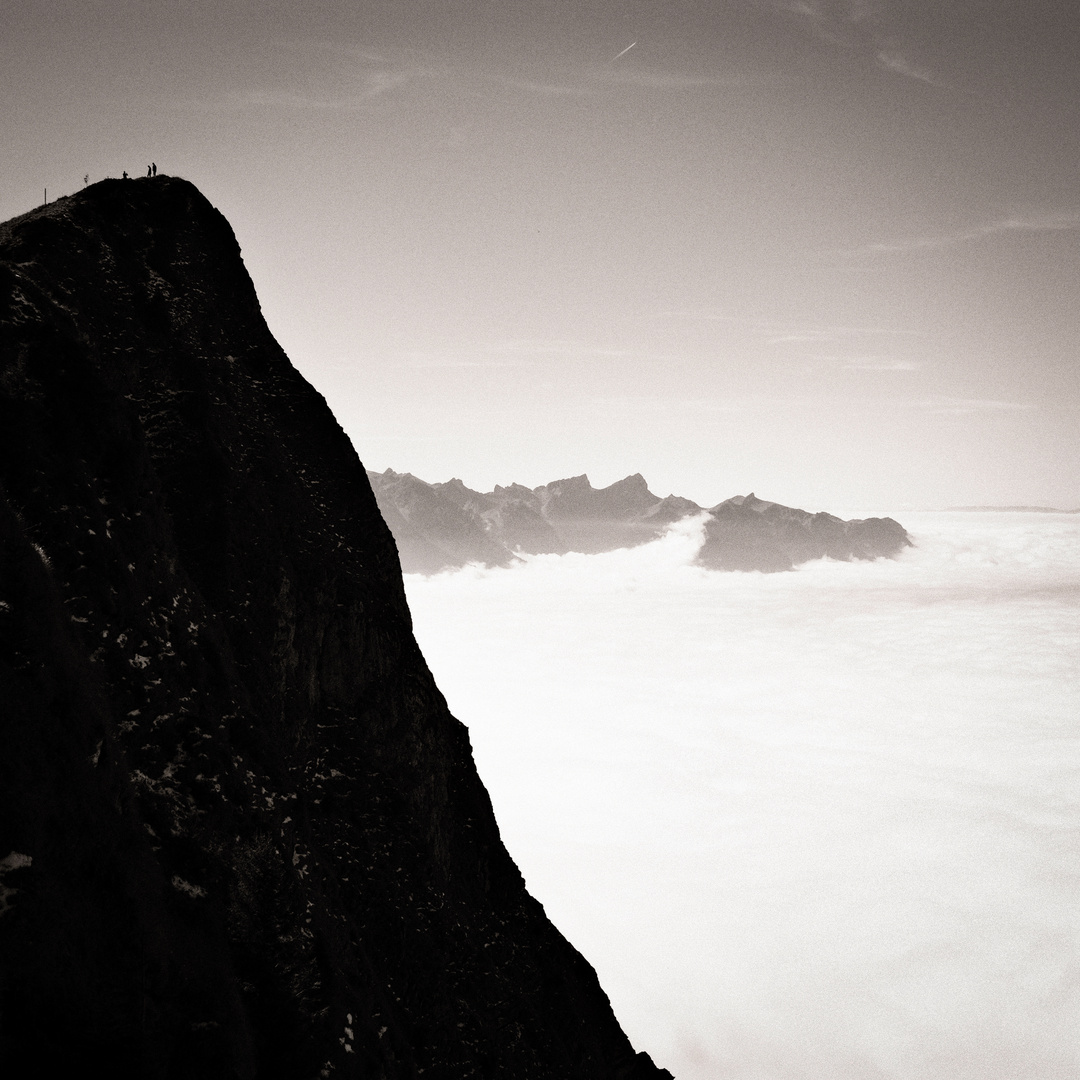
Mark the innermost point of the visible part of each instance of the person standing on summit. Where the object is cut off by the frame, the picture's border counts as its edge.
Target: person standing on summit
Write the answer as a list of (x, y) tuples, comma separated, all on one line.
[(153, 166)]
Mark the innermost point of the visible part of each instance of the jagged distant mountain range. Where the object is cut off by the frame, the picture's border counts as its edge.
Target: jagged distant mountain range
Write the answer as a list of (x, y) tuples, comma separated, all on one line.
[(447, 525)]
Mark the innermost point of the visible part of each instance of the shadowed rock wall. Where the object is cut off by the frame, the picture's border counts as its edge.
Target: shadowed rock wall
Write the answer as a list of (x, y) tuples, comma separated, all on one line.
[(240, 833)]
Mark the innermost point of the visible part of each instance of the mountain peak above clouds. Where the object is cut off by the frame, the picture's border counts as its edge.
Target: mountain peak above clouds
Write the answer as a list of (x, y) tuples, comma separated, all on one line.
[(741, 533)]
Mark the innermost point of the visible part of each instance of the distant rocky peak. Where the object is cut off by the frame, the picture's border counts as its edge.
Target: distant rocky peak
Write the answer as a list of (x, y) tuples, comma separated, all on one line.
[(568, 485), (577, 498), (746, 502), (671, 509), (518, 492)]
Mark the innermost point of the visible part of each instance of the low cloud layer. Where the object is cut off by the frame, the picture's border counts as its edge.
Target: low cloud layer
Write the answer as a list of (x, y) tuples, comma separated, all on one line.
[(811, 824)]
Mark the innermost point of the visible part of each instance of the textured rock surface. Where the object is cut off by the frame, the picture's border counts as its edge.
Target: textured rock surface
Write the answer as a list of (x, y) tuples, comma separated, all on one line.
[(441, 526), (240, 833), (748, 533)]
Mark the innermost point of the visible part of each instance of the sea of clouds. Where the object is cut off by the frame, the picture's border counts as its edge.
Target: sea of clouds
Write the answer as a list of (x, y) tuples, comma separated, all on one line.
[(821, 825)]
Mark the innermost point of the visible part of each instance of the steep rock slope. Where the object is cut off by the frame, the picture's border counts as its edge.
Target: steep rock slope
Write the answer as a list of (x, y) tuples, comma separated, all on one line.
[(240, 833), (442, 526)]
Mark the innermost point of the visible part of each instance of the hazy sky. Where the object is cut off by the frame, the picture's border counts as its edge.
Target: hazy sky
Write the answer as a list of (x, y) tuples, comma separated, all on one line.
[(825, 250)]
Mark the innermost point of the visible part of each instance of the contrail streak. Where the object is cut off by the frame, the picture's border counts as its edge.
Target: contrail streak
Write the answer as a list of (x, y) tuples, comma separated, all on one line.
[(625, 51)]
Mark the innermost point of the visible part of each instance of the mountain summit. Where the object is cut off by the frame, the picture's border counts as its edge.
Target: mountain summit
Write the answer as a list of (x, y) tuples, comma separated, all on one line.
[(240, 834)]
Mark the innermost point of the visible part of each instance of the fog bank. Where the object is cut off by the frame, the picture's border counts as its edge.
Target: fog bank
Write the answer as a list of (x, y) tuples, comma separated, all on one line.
[(814, 824)]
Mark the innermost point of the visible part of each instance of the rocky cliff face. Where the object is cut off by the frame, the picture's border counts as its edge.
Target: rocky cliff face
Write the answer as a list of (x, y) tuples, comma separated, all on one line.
[(442, 526), (240, 833)]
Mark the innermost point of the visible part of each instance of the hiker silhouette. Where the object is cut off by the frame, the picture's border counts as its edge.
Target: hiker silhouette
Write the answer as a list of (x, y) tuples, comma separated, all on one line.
[(148, 172), (154, 167)]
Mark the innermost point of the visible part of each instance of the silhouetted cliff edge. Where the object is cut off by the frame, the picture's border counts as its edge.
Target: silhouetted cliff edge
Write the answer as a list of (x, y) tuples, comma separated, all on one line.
[(240, 833)]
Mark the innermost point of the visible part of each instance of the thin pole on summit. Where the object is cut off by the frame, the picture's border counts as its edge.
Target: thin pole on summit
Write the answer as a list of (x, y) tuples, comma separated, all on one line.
[(46, 196)]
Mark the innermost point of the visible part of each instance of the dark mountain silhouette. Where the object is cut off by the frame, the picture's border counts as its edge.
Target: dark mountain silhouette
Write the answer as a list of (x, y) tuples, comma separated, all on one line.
[(240, 833), (742, 533)]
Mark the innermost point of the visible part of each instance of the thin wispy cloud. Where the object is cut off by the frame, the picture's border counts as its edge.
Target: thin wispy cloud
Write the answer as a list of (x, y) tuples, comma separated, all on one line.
[(829, 334), (826, 335), (784, 332), (861, 27), (714, 315), (857, 363), (372, 86), (848, 23), (557, 348), (324, 76), (837, 346), (639, 403), (320, 76), (537, 86), (646, 79), (512, 352), (654, 79), (900, 65), (424, 360), (870, 363), (946, 406), (1013, 225)]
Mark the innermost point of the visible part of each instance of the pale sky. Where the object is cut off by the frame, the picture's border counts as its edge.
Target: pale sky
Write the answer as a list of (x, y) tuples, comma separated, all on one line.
[(824, 250)]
